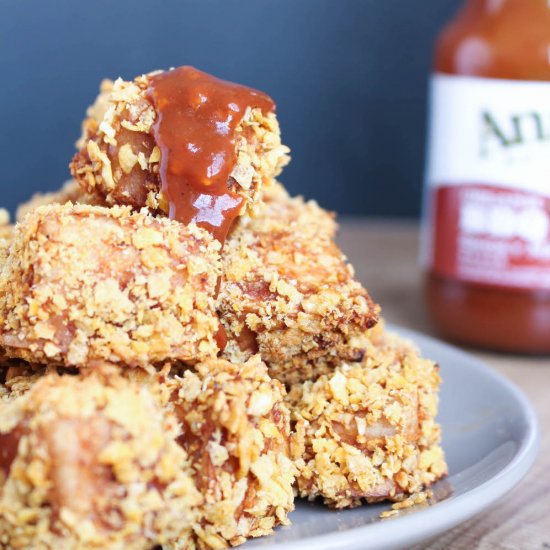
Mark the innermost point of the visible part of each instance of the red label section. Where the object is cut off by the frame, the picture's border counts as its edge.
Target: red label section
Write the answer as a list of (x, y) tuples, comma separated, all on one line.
[(491, 235)]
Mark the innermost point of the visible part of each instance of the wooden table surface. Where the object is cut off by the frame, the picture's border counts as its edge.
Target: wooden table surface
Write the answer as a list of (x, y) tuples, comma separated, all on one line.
[(384, 254)]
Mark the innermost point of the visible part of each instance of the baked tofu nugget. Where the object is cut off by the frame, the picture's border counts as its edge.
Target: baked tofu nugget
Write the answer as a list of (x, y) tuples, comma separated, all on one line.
[(367, 432), (288, 292), (236, 431), (119, 159), (90, 462), (84, 282), (233, 426), (69, 192)]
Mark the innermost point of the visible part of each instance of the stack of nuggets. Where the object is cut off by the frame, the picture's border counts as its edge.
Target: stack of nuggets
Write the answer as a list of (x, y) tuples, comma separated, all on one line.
[(145, 368)]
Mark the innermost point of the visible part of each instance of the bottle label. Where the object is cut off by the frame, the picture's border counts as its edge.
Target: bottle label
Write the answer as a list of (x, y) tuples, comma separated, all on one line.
[(488, 181)]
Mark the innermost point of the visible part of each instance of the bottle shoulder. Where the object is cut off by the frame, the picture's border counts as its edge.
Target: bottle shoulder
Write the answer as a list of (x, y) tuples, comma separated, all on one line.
[(494, 47)]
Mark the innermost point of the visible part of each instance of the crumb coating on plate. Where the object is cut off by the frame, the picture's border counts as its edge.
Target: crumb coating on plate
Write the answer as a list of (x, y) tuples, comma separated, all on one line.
[(120, 161), (236, 431), (92, 462), (288, 292), (82, 283), (367, 432)]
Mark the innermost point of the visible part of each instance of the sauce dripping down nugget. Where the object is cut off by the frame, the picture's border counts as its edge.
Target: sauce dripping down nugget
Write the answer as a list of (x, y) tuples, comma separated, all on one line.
[(197, 116)]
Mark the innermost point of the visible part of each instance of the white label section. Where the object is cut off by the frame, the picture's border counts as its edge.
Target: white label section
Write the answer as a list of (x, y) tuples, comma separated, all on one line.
[(489, 131)]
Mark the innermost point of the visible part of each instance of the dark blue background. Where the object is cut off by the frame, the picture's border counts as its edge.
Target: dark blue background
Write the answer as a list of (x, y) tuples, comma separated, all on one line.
[(349, 78)]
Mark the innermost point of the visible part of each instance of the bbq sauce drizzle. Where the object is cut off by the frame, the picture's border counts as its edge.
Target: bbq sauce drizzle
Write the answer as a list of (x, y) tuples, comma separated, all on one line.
[(197, 116)]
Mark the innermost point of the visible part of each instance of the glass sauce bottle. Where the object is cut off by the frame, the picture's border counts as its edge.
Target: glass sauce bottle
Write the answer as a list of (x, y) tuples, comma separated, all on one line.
[(486, 231)]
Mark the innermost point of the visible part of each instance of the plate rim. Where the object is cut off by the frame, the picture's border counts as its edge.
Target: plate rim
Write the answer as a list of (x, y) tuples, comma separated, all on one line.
[(438, 516)]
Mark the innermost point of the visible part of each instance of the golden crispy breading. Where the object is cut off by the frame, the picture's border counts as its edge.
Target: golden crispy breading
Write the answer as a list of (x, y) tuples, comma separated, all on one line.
[(6, 233), (368, 431), (5, 223), (96, 112), (233, 425), (236, 430), (6, 236), (92, 462), (288, 293), (86, 282), (69, 192), (119, 159), (4, 217), (4, 250)]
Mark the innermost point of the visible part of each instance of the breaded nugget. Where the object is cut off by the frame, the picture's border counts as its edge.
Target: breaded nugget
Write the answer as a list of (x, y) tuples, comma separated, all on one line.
[(233, 425), (288, 292), (69, 192), (236, 431), (367, 432), (119, 159), (90, 462), (85, 282)]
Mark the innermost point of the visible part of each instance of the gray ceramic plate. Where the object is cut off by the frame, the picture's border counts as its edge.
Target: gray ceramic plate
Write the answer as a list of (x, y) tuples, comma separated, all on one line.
[(490, 436)]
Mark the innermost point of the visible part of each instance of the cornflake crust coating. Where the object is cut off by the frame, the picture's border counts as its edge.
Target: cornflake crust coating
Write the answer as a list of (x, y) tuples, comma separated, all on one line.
[(90, 462), (6, 232), (96, 112), (288, 292), (82, 283), (69, 192), (367, 432), (119, 160), (236, 431)]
